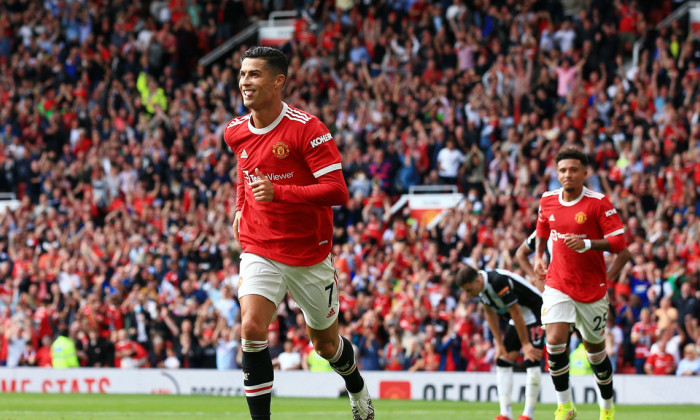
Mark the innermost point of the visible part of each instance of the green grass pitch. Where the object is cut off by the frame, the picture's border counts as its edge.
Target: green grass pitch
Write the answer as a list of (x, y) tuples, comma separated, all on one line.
[(133, 407)]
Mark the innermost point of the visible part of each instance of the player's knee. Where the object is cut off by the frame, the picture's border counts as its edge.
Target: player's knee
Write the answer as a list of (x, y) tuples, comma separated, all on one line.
[(595, 348), (253, 329), (326, 348)]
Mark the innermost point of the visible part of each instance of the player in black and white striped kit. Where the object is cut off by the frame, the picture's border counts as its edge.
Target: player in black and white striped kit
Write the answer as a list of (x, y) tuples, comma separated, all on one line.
[(504, 293)]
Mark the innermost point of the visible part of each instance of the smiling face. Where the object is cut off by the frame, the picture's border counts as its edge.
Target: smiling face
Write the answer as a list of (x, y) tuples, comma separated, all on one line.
[(259, 85), (571, 174)]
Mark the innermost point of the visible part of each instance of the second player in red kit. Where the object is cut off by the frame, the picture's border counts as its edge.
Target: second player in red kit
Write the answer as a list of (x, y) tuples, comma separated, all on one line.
[(590, 216), (581, 225)]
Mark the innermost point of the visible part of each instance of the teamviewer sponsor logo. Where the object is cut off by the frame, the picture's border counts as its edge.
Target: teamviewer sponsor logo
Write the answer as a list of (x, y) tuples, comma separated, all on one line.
[(276, 177), (250, 178), (320, 140), (555, 236)]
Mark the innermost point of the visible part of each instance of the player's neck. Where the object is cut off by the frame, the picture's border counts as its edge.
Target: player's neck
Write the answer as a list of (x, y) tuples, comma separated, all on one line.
[(571, 196), (267, 115)]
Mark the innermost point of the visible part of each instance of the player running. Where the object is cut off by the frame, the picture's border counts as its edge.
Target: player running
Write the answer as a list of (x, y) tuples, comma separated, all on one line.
[(581, 224), (289, 176)]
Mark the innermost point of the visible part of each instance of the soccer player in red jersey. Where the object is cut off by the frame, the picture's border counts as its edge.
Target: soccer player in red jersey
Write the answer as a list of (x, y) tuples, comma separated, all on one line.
[(581, 224), (289, 176)]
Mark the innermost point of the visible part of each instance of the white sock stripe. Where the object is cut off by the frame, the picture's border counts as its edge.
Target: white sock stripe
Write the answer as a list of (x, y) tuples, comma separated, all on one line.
[(339, 351), (556, 348), (252, 346), (560, 371), (596, 358), (255, 394), (605, 382), (260, 389)]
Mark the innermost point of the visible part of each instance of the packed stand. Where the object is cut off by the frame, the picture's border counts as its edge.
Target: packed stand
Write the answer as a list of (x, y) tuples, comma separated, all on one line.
[(111, 137)]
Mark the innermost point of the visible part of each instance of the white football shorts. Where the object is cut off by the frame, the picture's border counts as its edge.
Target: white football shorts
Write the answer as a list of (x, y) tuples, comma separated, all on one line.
[(313, 288), (589, 318)]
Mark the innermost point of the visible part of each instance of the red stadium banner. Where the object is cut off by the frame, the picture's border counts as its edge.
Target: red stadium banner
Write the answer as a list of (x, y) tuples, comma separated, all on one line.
[(694, 21), (395, 390)]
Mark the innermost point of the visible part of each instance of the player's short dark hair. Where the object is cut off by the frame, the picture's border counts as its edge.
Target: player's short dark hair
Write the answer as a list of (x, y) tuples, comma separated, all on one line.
[(572, 153), (274, 58), (465, 275)]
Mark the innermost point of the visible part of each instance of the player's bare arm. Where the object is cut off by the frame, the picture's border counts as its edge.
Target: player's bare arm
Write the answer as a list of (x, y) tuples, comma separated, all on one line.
[(236, 223), (540, 265), (521, 257), (621, 258), (492, 320), (530, 352), (523, 260)]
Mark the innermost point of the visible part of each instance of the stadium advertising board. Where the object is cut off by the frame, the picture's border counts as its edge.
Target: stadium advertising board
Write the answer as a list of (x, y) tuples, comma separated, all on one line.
[(481, 387), (425, 207)]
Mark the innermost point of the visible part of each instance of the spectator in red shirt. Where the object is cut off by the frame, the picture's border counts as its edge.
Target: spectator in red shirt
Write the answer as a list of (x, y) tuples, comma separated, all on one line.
[(43, 355), (643, 336), (661, 363)]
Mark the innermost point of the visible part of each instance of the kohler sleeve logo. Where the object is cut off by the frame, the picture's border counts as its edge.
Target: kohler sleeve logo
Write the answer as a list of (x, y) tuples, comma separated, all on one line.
[(320, 140)]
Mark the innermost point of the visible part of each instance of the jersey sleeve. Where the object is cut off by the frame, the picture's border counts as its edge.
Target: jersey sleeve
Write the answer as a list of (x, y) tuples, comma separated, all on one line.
[(321, 153), (331, 190), (504, 289), (542, 230), (531, 241), (229, 136), (609, 219), (240, 188)]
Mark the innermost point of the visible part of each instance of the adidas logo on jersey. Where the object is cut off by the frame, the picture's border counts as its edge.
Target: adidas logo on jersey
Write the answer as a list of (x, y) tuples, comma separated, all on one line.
[(551, 217), (244, 154), (331, 313)]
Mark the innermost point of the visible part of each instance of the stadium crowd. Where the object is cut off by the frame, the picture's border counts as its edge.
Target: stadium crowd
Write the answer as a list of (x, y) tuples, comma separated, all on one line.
[(110, 137)]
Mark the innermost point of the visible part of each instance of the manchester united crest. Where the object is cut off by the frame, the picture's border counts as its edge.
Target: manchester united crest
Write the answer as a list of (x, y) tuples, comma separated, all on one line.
[(280, 150), (580, 218)]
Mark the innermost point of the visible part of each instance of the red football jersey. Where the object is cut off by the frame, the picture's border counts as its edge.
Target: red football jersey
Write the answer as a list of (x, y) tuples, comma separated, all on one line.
[(582, 276), (661, 364), (296, 149), (647, 331)]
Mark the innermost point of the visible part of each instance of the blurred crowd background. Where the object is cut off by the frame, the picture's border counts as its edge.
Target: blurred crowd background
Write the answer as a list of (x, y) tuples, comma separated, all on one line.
[(111, 138)]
